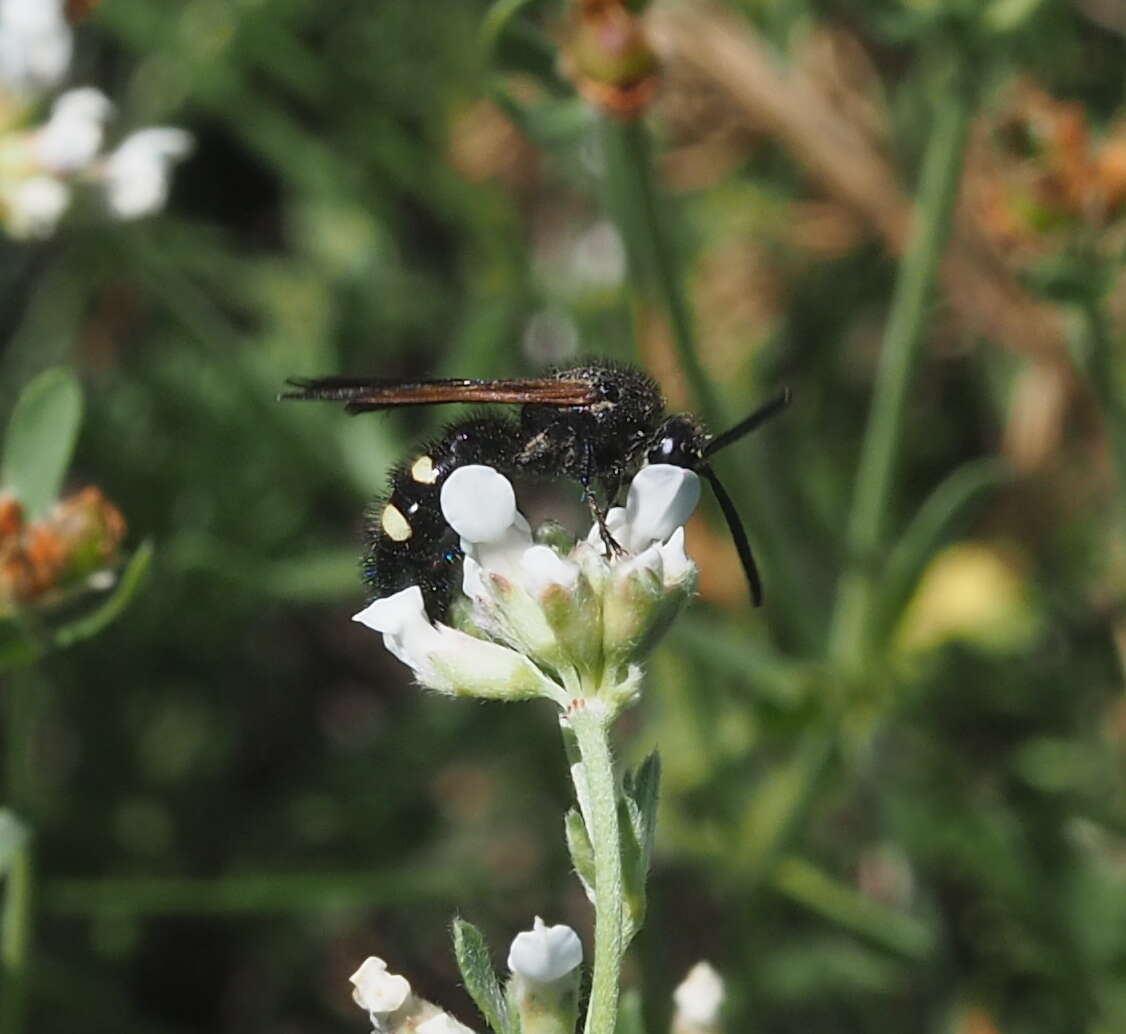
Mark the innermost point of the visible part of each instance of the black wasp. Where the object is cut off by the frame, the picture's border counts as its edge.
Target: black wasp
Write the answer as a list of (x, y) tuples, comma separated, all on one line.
[(597, 424)]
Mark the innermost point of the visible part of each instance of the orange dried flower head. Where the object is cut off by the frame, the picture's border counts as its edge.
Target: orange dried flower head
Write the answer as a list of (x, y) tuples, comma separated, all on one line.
[(80, 535)]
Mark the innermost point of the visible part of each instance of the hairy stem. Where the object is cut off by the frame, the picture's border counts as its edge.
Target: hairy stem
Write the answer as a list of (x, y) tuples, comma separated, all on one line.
[(883, 438), (599, 802)]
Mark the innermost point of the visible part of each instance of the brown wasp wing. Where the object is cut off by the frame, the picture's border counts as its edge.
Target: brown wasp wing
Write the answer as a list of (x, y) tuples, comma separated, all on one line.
[(365, 395)]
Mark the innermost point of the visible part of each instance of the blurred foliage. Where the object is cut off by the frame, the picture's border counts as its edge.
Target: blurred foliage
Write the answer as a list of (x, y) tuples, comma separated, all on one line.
[(239, 795)]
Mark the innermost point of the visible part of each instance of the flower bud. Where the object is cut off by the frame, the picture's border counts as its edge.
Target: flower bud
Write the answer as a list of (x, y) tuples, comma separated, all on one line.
[(609, 58), (698, 1000), (545, 978), (381, 993)]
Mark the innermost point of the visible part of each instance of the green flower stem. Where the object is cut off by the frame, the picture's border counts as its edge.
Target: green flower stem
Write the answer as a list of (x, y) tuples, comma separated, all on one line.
[(591, 728), (17, 914), (1101, 372), (15, 940), (636, 206), (883, 439)]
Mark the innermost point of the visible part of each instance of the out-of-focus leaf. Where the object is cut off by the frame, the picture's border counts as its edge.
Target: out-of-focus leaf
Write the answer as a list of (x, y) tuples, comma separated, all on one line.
[(40, 439), (630, 1018), (476, 968), (802, 881), (13, 835), (935, 522)]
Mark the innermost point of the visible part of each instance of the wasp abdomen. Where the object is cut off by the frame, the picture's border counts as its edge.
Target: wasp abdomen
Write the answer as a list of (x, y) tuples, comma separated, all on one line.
[(408, 540)]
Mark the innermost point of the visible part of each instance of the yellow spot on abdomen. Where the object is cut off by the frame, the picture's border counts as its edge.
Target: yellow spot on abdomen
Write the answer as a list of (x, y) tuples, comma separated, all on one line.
[(395, 524), (424, 471)]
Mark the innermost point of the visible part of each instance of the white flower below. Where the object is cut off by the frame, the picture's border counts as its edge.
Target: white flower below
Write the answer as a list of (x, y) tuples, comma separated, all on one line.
[(442, 1023), (71, 138), (698, 999), (557, 621), (449, 660), (35, 44), (378, 991), (32, 207), (137, 174), (545, 954)]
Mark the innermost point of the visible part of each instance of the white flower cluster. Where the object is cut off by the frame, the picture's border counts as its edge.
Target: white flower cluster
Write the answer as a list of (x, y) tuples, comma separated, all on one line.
[(544, 963), (544, 618), (393, 1007), (40, 165)]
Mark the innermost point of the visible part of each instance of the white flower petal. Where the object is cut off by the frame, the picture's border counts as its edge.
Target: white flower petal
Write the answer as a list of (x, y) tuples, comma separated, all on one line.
[(675, 562), (377, 990), (545, 954), (443, 1023), (449, 660), (35, 205), (72, 136), (661, 499), (478, 503), (541, 568), (138, 172), (700, 996)]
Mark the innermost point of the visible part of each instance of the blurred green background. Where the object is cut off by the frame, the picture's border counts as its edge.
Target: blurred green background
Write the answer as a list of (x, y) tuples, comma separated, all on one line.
[(238, 794)]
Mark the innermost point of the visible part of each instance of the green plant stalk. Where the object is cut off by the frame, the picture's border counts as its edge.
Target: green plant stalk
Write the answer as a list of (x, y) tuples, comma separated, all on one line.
[(15, 940), (883, 438), (636, 206), (16, 917), (1101, 373), (591, 728)]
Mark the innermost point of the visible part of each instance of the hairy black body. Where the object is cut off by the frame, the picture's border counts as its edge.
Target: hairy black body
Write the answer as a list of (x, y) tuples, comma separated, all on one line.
[(596, 424)]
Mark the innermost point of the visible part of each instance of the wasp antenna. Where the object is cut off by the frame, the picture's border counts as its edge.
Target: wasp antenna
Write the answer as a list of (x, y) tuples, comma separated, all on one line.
[(745, 427), (738, 534)]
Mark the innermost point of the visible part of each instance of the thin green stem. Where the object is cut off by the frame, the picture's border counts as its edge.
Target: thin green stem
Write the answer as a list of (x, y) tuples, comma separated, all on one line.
[(883, 439), (591, 728), (15, 940), (638, 209), (637, 204), (16, 917), (1101, 372)]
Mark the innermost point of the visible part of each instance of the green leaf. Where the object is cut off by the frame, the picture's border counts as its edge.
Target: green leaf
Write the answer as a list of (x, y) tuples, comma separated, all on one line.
[(582, 853), (630, 1019), (476, 967), (638, 810), (127, 586), (802, 881), (13, 835), (935, 523), (40, 440)]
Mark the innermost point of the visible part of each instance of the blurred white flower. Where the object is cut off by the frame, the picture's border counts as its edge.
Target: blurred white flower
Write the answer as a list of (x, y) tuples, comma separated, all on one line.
[(72, 136), (545, 953), (540, 621), (35, 44), (137, 173), (32, 207), (698, 999)]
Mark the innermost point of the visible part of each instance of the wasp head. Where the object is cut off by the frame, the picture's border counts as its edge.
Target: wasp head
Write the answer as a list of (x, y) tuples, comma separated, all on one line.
[(680, 441)]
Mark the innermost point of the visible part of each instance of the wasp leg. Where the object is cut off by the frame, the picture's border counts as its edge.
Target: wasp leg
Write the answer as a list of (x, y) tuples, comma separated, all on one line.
[(597, 510)]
